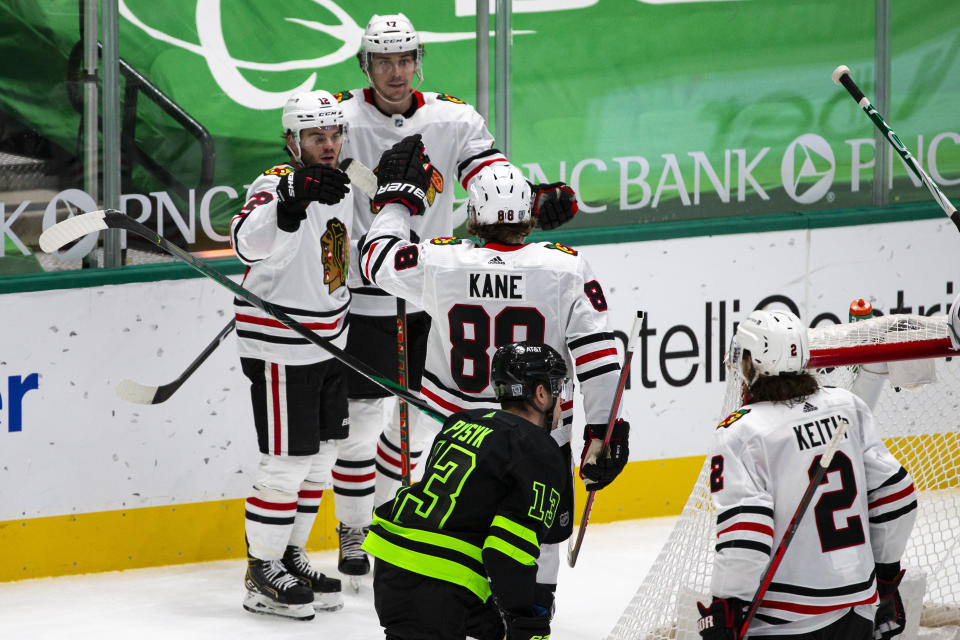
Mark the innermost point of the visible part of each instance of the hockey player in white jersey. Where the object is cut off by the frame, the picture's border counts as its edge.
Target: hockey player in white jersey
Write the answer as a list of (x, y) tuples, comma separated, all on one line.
[(389, 109), (483, 297), (840, 576), (294, 227)]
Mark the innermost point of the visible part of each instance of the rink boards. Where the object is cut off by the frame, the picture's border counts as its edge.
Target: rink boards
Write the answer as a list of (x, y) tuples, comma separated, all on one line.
[(92, 483)]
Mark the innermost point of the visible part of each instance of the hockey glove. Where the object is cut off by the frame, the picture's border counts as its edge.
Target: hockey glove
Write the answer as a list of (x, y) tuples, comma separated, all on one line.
[(403, 177), (598, 471), (890, 620), (523, 628), (554, 204), (722, 619), (297, 190)]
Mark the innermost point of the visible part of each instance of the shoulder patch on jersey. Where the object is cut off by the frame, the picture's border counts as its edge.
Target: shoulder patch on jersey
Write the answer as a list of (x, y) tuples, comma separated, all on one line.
[(561, 247), (446, 240), (343, 96), (279, 170), (733, 417), (449, 98)]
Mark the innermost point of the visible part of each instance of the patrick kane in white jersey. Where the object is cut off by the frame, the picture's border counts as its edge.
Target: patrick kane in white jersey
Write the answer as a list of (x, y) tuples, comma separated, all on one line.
[(294, 226), (840, 576), (368, 468), (481, 297)]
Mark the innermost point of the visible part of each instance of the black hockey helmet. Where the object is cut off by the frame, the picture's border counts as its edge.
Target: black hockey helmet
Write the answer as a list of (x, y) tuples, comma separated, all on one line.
[(520, 366)]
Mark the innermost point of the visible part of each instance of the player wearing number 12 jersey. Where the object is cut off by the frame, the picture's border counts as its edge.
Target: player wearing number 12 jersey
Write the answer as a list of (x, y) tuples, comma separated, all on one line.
[(840, 576)]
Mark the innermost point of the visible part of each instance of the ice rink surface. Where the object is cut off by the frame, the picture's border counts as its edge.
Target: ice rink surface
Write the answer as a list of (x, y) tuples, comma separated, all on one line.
[(204, 600)]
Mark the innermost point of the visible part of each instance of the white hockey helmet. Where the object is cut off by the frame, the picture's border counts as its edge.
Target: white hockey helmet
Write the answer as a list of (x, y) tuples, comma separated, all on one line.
[(392, 33), (308, 110), (499, 194), (776, 340)]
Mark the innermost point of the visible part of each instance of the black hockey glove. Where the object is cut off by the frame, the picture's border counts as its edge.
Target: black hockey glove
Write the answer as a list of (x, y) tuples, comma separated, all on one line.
[(403, 176), (891, 619), (596, 471), (298, 189), (722, 619), (523, 628), (554, 204)]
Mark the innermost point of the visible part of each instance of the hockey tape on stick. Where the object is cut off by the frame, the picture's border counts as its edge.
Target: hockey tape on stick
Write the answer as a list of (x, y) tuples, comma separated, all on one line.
[(815, 480), (135, 392), (573, 547), (78, 226), (360, 176), (841, 75), (402, 379)]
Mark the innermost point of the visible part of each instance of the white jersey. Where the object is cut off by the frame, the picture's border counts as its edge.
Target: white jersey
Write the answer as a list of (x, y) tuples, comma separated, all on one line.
[(761, 462), (303, 273), (481, 298), (456, 139)]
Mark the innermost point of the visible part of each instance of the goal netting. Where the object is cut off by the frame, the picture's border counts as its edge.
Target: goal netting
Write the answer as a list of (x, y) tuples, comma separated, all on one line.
[(919, 426)]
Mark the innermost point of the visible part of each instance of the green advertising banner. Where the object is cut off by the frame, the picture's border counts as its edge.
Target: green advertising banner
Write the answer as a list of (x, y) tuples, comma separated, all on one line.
[(653, 110)]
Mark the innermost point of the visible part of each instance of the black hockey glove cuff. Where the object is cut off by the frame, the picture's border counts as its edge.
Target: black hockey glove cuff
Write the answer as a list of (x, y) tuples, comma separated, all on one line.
[(554, 204), (599, 468), (722, 619), (891, 619), (290, 211), (524, 628), (403, 176)]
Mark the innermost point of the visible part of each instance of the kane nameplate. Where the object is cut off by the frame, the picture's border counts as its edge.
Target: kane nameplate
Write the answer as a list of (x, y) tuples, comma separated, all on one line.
[(496, 286)]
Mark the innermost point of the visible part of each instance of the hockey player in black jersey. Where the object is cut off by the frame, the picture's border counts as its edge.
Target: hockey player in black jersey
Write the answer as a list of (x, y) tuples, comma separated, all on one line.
[(472, 528), (840, 576)]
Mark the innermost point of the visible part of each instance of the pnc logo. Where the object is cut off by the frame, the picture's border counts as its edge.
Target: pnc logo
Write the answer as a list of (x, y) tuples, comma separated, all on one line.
[(808, 157)]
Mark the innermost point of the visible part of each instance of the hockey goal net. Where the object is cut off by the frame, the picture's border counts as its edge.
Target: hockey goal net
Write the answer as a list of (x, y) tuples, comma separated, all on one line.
[(919, 426)]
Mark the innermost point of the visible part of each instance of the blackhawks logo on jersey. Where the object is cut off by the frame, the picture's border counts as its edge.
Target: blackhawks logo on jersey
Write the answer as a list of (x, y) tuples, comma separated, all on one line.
[(279, 170), (449, 98), (334, 256), (561, 247), (446, 240), (733, 417), (343, 96), (434, 186)]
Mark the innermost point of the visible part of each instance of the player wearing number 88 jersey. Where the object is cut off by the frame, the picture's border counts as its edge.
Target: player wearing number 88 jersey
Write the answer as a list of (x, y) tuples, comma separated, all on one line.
[(844, 558)]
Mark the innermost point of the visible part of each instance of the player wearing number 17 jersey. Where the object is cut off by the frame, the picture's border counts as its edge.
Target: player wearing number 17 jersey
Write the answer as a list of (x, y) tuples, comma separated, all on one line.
[(840, 576)]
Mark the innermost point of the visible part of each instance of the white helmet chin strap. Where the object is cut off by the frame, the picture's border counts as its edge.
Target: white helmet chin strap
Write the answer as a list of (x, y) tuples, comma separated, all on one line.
[(296, 145)]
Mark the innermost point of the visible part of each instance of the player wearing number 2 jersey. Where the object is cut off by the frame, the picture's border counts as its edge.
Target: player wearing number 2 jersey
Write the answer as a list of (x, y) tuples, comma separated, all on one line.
[(844, 559), (481, 297)]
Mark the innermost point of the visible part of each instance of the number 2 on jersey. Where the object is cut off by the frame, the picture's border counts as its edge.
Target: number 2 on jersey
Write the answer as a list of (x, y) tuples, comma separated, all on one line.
[(470, 338), (832, 537)]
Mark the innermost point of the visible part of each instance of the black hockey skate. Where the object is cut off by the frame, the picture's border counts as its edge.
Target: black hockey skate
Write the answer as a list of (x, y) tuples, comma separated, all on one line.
[(353, 560), (272, 590), (326, 591)]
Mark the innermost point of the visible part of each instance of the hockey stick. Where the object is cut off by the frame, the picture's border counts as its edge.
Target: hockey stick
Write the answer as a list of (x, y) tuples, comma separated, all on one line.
[(573, 547), (142, 394), (771, 569), (72, 228), (841, 75), (402, 379), (362, 178)]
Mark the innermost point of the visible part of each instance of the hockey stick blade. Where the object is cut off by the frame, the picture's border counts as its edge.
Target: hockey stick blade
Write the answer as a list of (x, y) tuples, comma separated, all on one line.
[(573, 547), (841, 75), (114, 219), (143, 394), (72, 229), (805, 501), (360, 176)]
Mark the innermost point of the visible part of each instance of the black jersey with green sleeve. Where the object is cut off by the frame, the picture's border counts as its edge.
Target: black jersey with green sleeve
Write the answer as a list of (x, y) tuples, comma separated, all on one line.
[(489, 495)]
